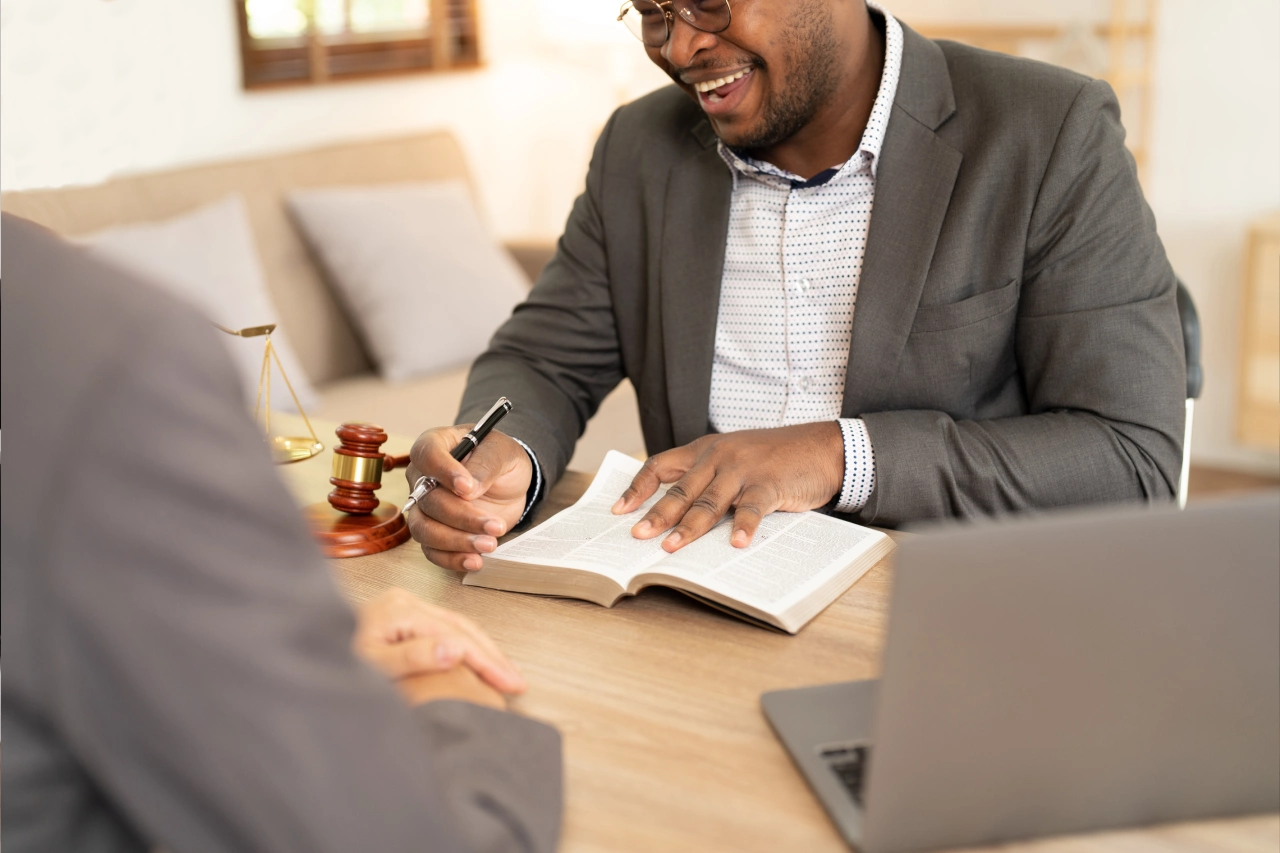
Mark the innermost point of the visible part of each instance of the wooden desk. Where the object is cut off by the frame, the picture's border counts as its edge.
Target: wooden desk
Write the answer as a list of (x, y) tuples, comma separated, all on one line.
[(658, 701)]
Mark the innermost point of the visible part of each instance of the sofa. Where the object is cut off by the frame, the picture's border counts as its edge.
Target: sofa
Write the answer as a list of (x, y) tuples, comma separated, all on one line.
[(323, 336)]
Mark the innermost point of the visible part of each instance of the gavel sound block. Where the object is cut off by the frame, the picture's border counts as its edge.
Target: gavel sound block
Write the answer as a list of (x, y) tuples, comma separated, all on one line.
[(354, 523)]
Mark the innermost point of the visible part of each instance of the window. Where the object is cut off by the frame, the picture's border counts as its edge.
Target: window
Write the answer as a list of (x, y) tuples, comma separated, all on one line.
[(314, 41)]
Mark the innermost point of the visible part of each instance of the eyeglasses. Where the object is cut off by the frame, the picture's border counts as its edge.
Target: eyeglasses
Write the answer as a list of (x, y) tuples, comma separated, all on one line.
[(651, 20)]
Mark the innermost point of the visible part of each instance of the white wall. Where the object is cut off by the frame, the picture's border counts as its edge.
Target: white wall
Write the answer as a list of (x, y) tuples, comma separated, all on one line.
[(1215, 165), (92, 88)]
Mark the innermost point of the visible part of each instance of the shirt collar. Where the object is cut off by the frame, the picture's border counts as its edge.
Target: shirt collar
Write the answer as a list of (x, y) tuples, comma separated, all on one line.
[(872, 136)]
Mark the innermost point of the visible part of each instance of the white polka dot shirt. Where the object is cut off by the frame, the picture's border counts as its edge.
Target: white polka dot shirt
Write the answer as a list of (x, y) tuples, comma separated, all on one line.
[(790, 283)]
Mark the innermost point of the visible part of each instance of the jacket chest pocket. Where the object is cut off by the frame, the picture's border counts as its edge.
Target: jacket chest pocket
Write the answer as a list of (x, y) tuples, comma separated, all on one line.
[(975, 309), (960, 357)]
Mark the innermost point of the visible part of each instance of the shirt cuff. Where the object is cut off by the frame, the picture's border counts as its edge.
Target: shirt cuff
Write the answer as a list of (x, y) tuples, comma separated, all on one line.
[(859, 466), (535, 491)]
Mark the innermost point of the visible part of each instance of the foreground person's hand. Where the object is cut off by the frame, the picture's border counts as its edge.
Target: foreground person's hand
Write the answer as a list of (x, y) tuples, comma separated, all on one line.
[(752, 472), (403, 636), (462, 518), (457, 683)]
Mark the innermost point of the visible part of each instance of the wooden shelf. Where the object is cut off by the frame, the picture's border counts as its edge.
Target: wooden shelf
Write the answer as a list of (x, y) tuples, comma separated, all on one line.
[(1126, 37), (1258, 399)]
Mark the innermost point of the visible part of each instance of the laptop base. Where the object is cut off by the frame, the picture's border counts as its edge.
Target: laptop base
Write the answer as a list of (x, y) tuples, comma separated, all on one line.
[(826, 730)]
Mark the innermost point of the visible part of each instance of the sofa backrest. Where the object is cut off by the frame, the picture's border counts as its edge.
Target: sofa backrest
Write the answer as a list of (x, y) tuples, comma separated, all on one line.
[(321, 333)]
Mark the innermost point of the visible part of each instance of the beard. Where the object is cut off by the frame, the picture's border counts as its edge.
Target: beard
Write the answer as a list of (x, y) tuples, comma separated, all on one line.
[(811, 48)]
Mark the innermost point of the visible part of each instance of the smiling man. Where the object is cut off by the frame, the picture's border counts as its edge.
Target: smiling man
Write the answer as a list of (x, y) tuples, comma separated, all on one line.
[(844, 266)]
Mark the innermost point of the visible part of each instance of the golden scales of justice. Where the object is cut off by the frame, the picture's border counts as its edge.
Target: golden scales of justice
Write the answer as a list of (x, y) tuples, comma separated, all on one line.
[(353, 523)]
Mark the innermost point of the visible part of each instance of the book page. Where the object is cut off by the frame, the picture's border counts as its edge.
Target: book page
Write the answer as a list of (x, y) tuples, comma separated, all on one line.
[(587, 535), (791, 554)]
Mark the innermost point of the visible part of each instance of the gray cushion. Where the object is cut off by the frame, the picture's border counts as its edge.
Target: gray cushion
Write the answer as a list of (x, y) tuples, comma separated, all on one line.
[(422, 277)]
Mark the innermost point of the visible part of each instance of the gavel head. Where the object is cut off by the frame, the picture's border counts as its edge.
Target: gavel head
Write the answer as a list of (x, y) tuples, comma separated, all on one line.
[(357, 468)]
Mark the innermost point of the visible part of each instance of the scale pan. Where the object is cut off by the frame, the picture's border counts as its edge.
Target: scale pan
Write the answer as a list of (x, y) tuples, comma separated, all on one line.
[(286, 449)]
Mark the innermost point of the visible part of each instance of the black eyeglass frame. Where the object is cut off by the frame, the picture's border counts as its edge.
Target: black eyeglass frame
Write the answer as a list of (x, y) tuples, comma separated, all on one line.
[(668, 17)]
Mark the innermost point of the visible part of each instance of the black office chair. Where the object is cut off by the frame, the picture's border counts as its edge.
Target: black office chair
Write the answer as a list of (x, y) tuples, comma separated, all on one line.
[(1195, 379)]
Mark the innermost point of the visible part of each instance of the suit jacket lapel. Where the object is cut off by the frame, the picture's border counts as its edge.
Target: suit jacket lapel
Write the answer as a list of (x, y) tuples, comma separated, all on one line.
[(914, 180), (696, 226)]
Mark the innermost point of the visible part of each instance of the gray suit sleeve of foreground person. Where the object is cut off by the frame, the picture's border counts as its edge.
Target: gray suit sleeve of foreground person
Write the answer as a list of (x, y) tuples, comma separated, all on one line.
[(178, 665)]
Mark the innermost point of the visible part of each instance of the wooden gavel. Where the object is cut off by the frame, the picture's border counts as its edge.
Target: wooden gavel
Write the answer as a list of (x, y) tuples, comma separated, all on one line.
[(358, 463)]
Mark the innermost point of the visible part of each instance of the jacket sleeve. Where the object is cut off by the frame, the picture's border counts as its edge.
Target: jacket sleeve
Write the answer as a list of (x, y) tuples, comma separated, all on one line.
[(1098, 346), (200, 652), (557, 357)]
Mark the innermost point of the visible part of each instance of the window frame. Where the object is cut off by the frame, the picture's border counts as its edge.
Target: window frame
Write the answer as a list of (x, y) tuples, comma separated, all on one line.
[(311, 58)]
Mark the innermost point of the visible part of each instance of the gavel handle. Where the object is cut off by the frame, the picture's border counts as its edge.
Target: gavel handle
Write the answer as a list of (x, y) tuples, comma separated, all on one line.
[(389, 462)]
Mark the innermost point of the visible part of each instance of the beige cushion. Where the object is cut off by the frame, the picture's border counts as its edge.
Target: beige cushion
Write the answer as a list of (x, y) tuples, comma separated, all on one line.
[(424, 280), (323, 336), (401, 408), (206, 257)]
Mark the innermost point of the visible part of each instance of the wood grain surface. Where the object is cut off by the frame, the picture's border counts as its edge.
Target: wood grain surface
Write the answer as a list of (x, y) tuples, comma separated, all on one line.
[(658, 701)]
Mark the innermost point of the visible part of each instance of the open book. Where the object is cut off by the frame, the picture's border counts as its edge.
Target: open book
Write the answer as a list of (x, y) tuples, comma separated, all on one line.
[(797, 564)]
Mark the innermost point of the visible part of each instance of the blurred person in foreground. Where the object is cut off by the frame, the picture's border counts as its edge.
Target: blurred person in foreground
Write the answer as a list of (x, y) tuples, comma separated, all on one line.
[(181, 670), (843, 266)]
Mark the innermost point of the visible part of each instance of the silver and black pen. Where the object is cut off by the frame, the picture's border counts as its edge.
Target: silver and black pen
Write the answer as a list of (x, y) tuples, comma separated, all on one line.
[(468, 443)]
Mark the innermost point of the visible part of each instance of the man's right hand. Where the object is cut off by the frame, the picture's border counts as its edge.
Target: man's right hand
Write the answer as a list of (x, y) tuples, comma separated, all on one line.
[(474, 504)]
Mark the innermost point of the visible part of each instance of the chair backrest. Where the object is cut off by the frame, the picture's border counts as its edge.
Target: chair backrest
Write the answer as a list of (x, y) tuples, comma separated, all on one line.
[(1190, 320), (319, 329), (1190, 341)]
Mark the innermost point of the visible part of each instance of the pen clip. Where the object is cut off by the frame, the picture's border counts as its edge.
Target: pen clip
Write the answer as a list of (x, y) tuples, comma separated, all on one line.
[(503, 405), (482, 428)]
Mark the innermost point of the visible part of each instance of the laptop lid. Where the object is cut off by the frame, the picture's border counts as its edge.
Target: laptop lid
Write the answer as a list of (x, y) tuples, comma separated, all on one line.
[(1079, 671)]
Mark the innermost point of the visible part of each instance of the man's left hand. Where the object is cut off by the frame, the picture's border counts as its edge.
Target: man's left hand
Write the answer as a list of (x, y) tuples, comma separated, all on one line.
[(403, 636), (751, 472)]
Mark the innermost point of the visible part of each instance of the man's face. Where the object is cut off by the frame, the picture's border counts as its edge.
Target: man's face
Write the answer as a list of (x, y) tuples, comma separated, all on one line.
[(776, 64)]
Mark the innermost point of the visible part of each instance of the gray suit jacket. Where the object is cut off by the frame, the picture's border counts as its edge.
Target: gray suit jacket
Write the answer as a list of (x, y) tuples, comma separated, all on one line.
[(1015, 344), (178, 670)]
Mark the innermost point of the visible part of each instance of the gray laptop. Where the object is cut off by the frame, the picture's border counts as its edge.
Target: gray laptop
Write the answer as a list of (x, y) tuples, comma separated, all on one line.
[(1071, 672)]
